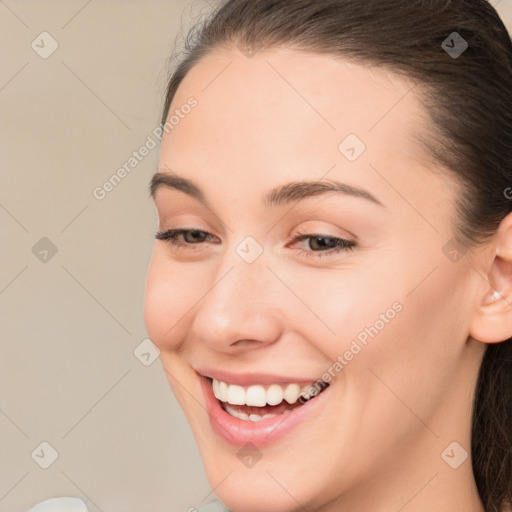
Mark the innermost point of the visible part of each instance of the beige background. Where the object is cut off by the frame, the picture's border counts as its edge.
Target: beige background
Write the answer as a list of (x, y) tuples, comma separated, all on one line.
[(70, 324)]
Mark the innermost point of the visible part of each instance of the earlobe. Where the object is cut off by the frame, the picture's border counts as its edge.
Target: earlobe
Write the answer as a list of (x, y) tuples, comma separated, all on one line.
[(494, 297), (492, 322), (492, 319)]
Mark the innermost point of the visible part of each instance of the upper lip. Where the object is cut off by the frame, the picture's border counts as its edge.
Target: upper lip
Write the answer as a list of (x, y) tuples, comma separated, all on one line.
[(251, 378)]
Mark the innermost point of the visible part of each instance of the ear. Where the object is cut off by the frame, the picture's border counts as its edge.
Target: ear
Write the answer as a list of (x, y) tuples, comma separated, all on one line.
[(492, 319)]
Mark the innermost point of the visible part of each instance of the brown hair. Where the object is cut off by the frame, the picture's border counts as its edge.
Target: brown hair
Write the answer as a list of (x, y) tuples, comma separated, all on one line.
[(469, 101)]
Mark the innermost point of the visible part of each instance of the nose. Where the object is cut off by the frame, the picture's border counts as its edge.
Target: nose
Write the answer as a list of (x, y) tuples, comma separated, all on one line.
[(241, 309)]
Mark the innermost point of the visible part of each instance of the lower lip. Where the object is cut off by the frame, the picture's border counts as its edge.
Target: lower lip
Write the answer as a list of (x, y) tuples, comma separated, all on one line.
[(259, 433)]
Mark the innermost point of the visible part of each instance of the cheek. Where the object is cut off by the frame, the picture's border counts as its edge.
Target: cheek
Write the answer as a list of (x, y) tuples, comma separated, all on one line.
[(397, 313), (416, 353), (166, 301), (343, 309)]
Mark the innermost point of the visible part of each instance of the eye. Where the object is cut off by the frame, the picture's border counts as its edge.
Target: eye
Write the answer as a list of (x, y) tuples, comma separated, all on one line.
[(191, 236), (319, 243)]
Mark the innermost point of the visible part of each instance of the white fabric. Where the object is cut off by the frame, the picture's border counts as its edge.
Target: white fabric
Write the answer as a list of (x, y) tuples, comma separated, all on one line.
[(213, 506), (63, 504)]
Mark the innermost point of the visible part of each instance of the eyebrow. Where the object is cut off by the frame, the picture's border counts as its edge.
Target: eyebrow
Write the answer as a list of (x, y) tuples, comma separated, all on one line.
[(283, 194)]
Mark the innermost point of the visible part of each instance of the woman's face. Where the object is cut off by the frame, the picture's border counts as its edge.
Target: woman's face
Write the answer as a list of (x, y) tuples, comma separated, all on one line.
[(384, 319)]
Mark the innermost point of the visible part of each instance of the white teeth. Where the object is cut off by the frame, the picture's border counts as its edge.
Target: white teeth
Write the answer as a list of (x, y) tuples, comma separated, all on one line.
[(247, 417), (257, 396), (236, 395), (275, 394), (291, 393), (223, 391), (236, 414)]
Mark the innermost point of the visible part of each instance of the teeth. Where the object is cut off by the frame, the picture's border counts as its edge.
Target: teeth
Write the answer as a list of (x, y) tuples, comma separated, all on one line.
[(223, 390), (247, 417), (291, 393), (275, 394), (236, 414), (236, 395), (257, 396)]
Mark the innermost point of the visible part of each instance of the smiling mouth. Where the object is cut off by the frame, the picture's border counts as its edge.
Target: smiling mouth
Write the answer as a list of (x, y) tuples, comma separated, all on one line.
[(260, 402)]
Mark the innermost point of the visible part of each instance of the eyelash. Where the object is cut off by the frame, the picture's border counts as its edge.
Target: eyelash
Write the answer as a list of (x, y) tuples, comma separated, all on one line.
[(171, 236)]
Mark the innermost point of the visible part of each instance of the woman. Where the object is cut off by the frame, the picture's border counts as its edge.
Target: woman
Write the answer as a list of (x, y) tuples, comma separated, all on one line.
[(331, 284), (333, 210)]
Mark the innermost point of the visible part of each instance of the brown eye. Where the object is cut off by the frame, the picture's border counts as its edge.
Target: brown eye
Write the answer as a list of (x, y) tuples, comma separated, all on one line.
[(195, 236), (191, 236), (321, 245)]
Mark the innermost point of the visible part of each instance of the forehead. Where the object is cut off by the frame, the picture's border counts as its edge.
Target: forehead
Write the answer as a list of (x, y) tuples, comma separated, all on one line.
[(281, 114), (280, 98)]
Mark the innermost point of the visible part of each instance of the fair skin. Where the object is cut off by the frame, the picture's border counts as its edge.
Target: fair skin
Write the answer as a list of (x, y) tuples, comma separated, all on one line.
[(376, 439)]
